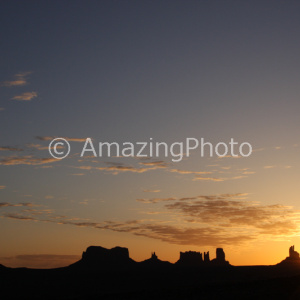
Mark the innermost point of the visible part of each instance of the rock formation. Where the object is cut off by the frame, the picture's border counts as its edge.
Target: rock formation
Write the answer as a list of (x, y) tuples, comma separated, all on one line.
[(292, 259), (220, 258), (99, 257), (206, 257), (153, 256), (293, 254), (193, 258), (154, 262), (190, 258), (96, 257)]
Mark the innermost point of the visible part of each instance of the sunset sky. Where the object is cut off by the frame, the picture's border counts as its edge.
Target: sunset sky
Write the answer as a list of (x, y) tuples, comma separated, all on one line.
[(128, 71)]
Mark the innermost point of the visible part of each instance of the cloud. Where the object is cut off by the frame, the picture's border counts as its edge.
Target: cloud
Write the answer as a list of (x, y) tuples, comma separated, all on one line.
[(155, 200), (240, 196), (215, 179), (25, 160), (39, 261), (207, 178), (158, 164), (239, 214), (20, 80), (201, 236), (8, 148), (188, 172), (202, 220), (151, 191), (40, 147), (269, 167), (2, 108), (6, 204), (27, 96), (19, 217), (174, 234), (204, 236), (50, 138), (118, 168), (202, 197), (112, 163), (2, 187)]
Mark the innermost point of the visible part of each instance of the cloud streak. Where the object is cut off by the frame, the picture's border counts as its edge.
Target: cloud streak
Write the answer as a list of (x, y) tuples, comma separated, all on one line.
[(50, 138), (8, 148), (202, 220), (26, 96), (20, 80), (25, 160), (6, 204)]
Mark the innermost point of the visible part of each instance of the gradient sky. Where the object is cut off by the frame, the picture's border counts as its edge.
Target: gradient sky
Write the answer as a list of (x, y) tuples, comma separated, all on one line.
[(128, 71)]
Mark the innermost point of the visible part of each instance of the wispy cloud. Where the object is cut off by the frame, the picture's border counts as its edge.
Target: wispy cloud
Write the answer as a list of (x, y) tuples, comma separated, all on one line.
[(240, 196), (26, 160), (203, 220), (6, 204), (2, 187), (238, 214), (8, 148), (26, 96), (201, 178), (155, 200), (117, 168), (158, 164), (151, 191), (50, 138), (40, 147), (188, 172), (20, 80)]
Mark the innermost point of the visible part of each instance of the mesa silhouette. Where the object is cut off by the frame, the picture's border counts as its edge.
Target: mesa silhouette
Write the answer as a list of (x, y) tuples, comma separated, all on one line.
[(98, 257)]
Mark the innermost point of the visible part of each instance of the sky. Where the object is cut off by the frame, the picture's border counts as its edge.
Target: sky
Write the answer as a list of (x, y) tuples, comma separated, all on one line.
[(141, 71)]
